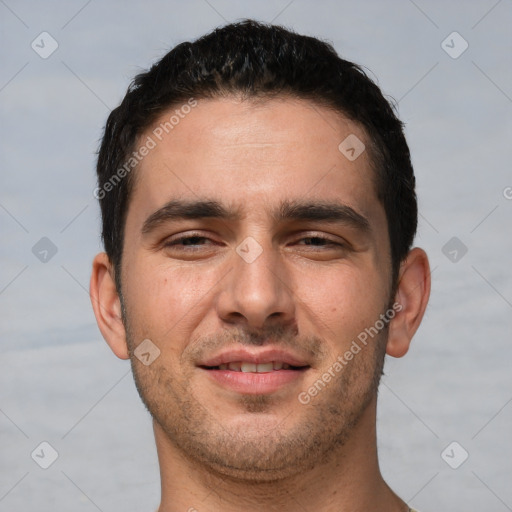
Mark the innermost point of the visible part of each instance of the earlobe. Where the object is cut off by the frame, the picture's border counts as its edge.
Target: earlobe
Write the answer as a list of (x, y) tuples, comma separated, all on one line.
[(412, 295), (107, 305)]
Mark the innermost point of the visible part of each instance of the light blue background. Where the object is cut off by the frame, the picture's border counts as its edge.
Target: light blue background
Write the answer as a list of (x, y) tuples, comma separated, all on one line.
[(60, 383)]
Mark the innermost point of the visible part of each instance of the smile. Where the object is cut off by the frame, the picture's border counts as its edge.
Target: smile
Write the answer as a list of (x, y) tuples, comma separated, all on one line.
[(248, 367), (249, 378)]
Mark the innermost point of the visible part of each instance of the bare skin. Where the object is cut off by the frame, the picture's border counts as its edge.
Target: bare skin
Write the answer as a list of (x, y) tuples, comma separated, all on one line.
[(304, 285)]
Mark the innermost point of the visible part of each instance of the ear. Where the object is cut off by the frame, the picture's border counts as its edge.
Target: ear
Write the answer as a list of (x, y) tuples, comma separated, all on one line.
[(412, 295), (107, 305)]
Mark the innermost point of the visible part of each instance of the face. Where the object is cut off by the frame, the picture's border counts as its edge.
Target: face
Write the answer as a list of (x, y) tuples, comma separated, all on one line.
[(255, 253)]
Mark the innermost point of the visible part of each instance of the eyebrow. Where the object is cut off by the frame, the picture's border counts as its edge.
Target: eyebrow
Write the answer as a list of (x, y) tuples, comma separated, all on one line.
[(179, 210), (324, 211)]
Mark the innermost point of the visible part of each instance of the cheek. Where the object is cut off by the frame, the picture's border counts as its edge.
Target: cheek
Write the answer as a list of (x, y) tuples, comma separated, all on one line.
[(162, 299), (344, 302)]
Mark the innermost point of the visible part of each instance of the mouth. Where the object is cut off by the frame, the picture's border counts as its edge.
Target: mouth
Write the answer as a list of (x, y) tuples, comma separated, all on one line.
[(264, 372), (249, 367)]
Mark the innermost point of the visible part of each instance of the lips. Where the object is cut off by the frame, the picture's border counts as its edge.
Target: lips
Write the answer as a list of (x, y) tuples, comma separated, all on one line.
[(255, 372), (248, 367), (255, 361)]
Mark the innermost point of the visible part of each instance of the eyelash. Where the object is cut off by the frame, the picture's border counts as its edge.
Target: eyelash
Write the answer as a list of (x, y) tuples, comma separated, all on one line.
[(176, 242), (327, 242)]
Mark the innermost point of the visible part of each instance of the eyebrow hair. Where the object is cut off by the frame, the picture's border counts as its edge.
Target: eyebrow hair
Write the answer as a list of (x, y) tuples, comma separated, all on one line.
[(322, 211), (288, 211), (182, 209)]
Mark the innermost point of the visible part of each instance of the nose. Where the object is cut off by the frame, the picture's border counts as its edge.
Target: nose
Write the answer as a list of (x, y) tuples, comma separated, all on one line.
[(257, 292)]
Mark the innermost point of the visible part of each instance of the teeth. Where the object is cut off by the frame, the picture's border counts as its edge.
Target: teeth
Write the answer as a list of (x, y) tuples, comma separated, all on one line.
[(248, 367), (240, 366)]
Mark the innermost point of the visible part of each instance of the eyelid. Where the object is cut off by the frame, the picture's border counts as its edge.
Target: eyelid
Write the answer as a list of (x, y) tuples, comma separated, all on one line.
[(187, 234), (321, 235), (297, 236)]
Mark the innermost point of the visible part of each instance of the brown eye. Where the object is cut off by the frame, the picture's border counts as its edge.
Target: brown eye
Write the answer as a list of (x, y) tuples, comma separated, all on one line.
[(188, 246), (319, 241), (316, 241), (188, 241)]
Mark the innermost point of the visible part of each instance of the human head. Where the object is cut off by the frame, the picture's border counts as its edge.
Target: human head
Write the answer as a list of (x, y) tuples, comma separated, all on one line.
[(259, 61), (252, 164)]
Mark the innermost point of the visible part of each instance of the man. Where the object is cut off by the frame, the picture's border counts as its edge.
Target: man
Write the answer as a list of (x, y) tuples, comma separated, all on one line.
[(258, 210)]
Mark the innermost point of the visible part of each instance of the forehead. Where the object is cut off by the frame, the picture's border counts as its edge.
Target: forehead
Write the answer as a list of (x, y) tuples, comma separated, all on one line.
[(254, 155)]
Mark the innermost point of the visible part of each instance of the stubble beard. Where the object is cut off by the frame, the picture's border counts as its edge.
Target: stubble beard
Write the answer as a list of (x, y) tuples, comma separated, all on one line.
[(259, 450)]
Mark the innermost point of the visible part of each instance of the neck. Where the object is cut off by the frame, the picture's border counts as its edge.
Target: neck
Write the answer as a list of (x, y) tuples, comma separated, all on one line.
[(349, 480)]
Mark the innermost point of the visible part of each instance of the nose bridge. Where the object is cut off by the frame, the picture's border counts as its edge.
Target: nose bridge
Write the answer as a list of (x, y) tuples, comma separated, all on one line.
[(257, 288), (257, 269)]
